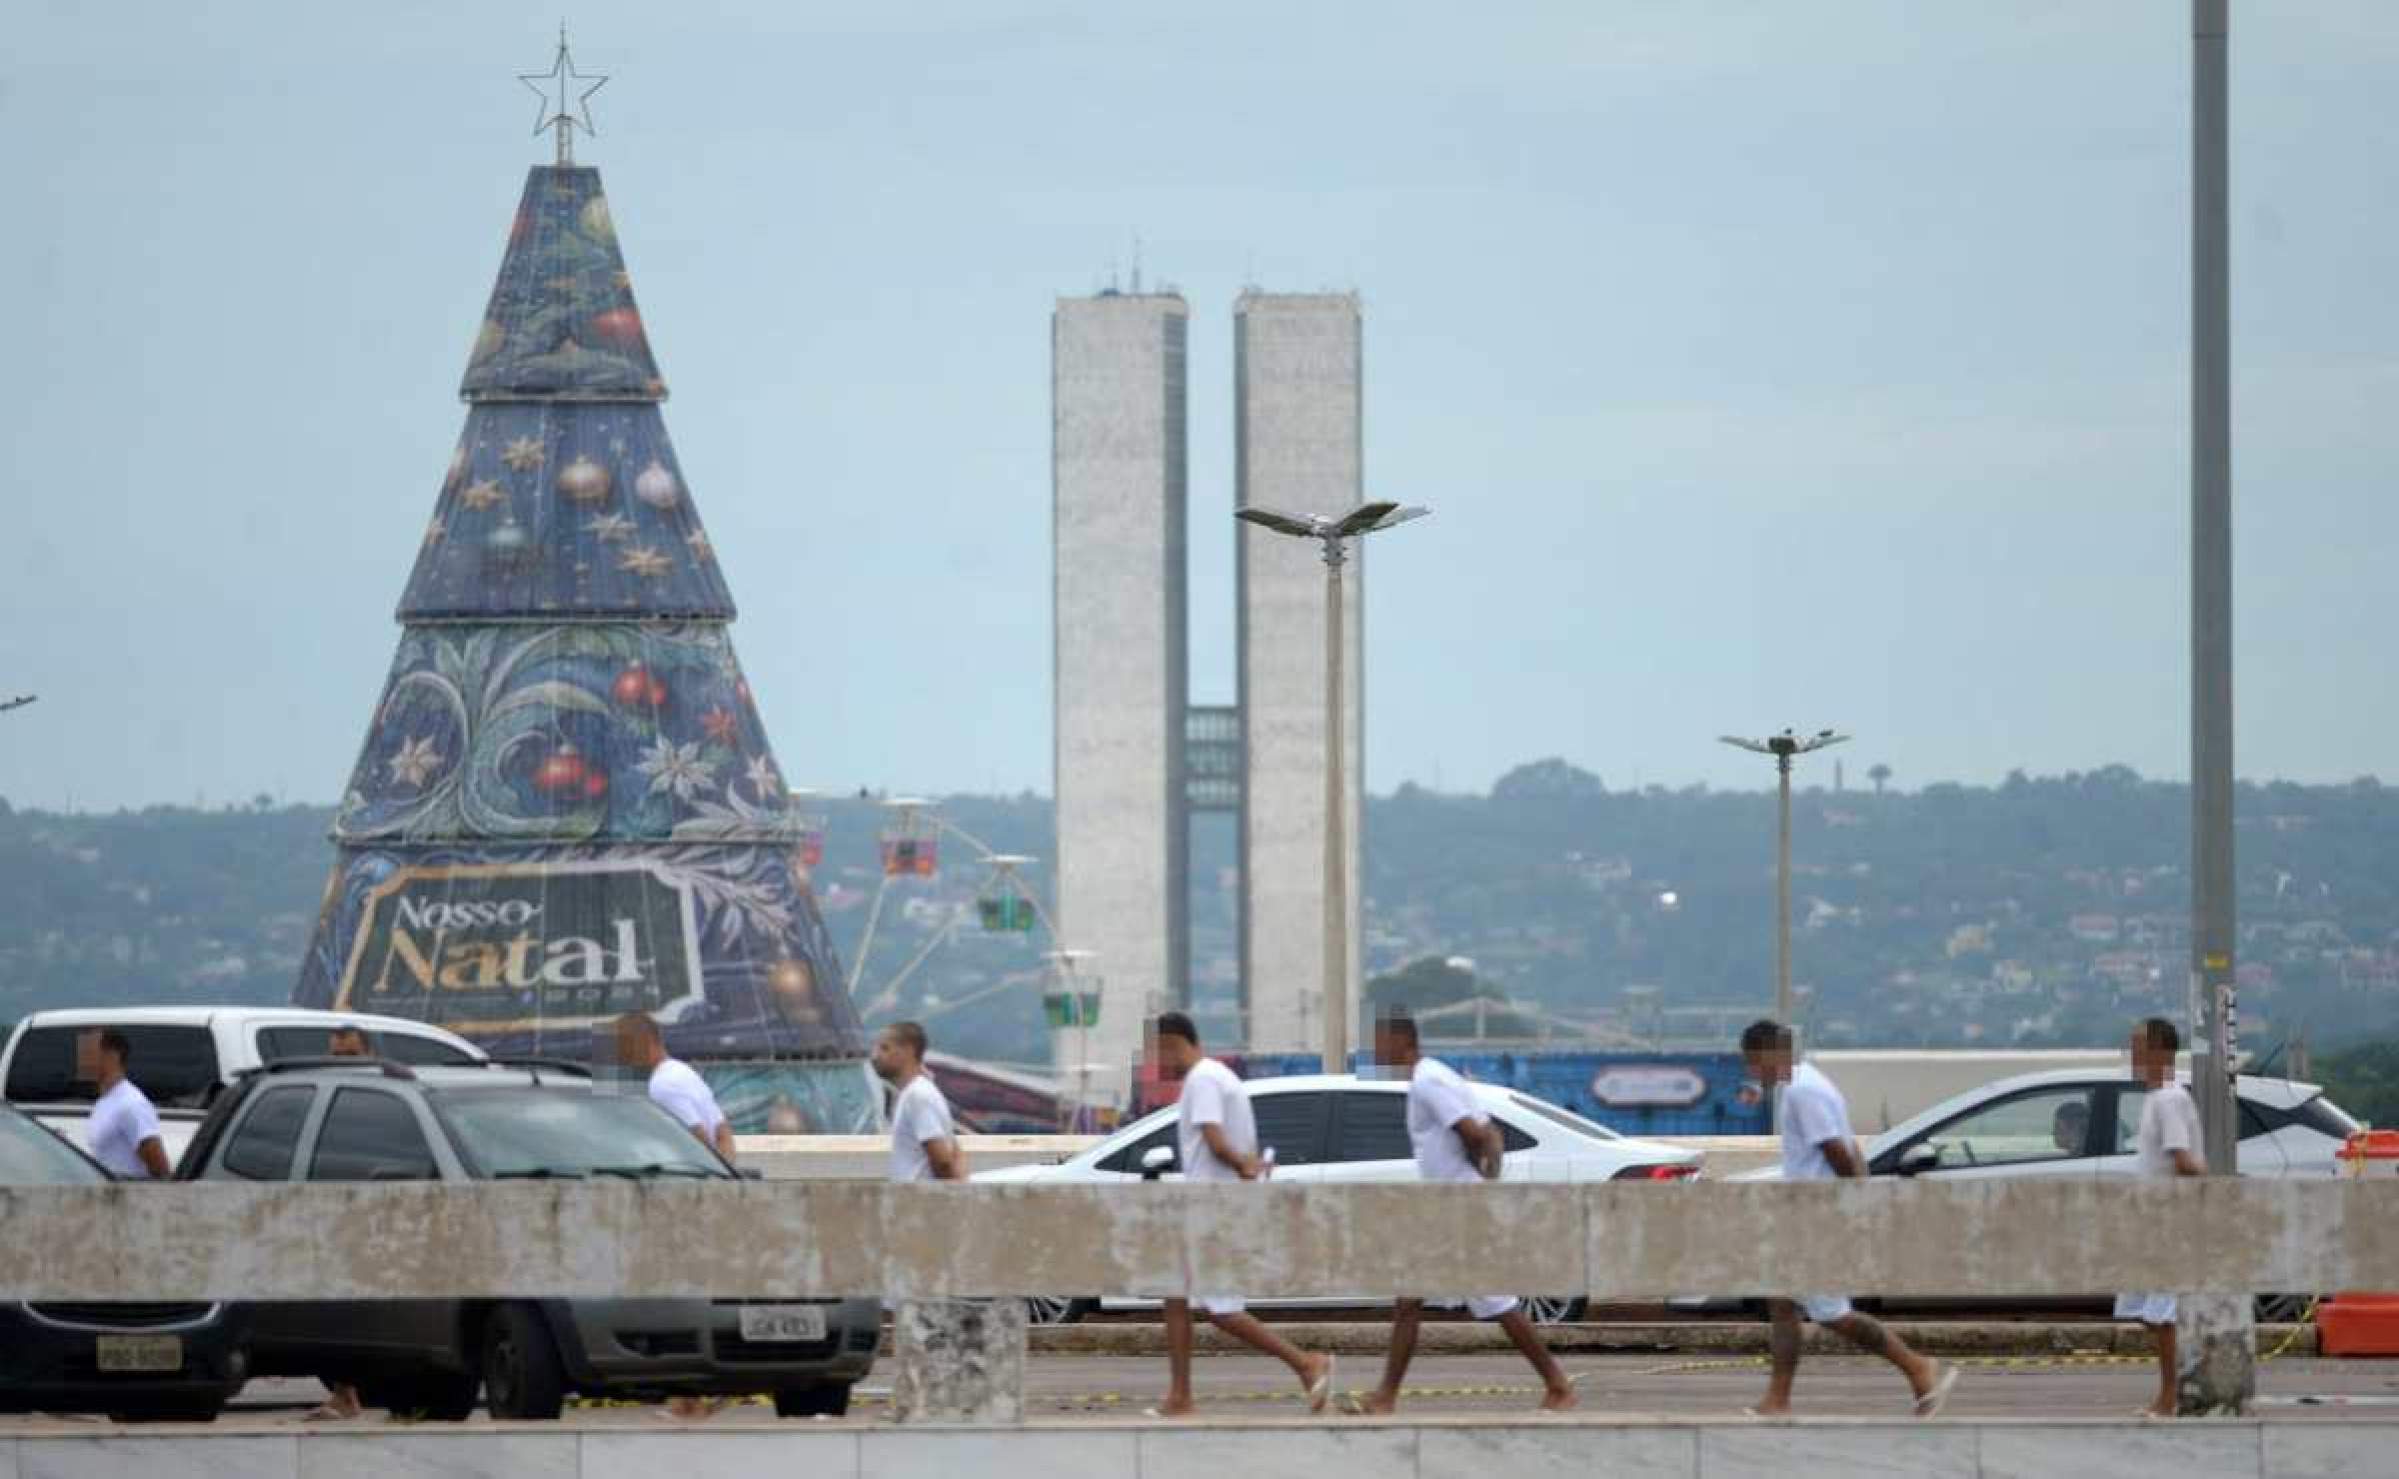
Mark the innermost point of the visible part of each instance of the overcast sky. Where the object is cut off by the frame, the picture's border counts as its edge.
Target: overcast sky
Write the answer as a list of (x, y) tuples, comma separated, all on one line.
[(1774, 364)]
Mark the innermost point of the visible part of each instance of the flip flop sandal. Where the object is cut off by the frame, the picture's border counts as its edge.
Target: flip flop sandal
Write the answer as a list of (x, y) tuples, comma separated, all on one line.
[(1931, 1403), (1321, 1389)]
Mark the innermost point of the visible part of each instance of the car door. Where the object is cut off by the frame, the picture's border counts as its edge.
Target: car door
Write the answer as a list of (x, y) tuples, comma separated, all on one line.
[(2049, 1130), (368, 1133), (1369, 1137)]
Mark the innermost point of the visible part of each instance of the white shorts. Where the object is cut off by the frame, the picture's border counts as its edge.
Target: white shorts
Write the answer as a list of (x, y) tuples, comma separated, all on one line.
[(1824, 1309), (1481, 1306), (2149, 1309), (1221, 1304)]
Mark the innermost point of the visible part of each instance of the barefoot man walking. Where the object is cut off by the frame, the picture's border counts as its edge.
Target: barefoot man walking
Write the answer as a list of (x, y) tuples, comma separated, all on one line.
[(1818, 1146), (1454, 1141), (1217, 1140)]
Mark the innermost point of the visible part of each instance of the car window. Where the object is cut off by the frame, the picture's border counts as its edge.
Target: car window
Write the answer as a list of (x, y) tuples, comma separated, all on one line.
[(277, 1044), (1126, 1159), (369, 1135), (1293, 1124), (175, 1064), (2041, 1125), (570, 1132), (2256, 1119), (412, 1048), (1372, 1127), (261, 1150), (32, 1156)]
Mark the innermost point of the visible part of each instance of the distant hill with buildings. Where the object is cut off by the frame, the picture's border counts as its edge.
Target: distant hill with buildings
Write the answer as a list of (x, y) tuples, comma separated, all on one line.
[(2041, 911)]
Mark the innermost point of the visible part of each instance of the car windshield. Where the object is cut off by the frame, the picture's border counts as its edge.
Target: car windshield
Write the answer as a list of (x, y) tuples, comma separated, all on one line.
[(536, 1133), (32, 1156), (1566, 1117)]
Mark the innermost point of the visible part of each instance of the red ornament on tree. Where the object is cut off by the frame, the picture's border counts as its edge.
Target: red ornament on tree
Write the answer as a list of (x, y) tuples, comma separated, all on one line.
[(635, 688), (595, 785), (561, 773), (620, 327)]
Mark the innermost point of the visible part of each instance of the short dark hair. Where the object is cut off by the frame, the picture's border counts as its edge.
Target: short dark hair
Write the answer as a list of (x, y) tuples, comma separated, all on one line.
[(1177, 1024), (911, 1033), (1398, 1023), (641, 1025), (1764, 1035), (2160, 1035), (114, 1041)]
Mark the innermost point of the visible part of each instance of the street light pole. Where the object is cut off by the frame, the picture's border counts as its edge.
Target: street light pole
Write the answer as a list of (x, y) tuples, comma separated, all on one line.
[(1784, 748), (2212, 898), (1333, 534), (1336, 825)]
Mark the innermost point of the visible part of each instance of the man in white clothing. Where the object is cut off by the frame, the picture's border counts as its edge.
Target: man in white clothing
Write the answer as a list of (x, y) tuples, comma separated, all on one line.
[(1217, 1140), (1454, 1141), (1818, 1146), (123, 1129), (674, 1084), (2167, 1146), (924, 1141)]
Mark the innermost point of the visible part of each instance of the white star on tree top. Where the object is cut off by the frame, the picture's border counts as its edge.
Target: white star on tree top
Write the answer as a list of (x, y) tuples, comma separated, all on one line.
[(556, 111)]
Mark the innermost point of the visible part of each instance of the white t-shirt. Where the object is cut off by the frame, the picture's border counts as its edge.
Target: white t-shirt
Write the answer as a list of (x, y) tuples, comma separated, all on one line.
[(678, 1087), (1213, 1096), (919, 1114), (2169, 1122), (1437, 1099), (1813, 1113), (121, 1120)]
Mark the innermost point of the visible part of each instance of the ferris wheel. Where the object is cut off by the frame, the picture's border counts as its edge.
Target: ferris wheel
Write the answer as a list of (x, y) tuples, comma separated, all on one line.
[(910, 846)]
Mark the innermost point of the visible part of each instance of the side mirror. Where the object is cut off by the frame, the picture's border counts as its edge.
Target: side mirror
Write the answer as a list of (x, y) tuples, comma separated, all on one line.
[(1918, 1159), (1157, 1161)]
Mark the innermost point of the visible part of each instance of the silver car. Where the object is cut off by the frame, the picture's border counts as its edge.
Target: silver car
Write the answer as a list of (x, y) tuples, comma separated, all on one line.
[(364, 1120)]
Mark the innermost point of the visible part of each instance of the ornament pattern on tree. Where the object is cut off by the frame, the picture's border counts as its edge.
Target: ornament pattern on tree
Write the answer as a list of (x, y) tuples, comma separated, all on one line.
[(579, 732), (562, 320)]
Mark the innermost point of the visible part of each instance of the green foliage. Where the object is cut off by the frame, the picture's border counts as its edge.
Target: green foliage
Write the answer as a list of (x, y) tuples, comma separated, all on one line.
[(2364, 1080)]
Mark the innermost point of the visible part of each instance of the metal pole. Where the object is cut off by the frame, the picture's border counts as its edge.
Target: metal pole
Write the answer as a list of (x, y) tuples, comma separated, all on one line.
[(1336, 855), (1782, 898), (2212, 898)]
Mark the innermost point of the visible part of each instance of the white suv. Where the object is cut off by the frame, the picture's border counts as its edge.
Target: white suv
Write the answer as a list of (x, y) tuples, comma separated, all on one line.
[(1337, 1128), (183, 1057)]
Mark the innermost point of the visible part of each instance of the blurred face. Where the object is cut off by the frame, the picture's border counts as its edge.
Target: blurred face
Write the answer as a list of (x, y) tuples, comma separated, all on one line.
[(893, 1059), (2067, 1129), (347, 1045), (636, 1048), (1175, 1056), (1769, 1066), (1390, 1047), (2150, 1064)]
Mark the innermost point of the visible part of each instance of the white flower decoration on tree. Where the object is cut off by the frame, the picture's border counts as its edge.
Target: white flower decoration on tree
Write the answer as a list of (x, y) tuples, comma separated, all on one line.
[(675, 769), (763, 779), (414, 762)]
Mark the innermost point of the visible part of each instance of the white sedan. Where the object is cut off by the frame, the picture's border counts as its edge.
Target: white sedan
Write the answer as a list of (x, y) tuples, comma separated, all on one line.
[(2076, 1122), (1338, 1128)]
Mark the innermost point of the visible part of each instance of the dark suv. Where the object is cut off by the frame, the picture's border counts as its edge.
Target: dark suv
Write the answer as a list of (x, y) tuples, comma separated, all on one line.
[(151, 1359), (364, 1120)]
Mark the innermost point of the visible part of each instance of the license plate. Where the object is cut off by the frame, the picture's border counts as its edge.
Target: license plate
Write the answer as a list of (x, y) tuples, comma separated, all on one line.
[(141, 1353), (782, 1322)]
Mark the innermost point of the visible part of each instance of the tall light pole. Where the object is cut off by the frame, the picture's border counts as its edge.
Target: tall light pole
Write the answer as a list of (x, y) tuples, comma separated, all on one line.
[(1783, 747), (1334, 535), (2212, 899)]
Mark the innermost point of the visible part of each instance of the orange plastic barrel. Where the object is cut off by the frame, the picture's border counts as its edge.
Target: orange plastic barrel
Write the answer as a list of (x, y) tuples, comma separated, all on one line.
[(2363, 1324)]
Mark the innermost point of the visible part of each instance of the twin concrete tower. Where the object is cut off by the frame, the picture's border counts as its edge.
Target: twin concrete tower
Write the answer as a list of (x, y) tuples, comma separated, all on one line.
[(1135, 758)]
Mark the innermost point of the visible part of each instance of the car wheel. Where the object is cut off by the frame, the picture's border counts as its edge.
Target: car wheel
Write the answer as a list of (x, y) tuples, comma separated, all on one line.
[(522, 1377), (1057, 1309), (435, 1396), (1555, 1309), (829, 1400)]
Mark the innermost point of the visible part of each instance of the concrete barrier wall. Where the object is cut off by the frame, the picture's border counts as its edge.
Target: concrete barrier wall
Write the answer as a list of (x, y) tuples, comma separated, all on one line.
[(867, 1157), (286, 1241), (1422, 1450)]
